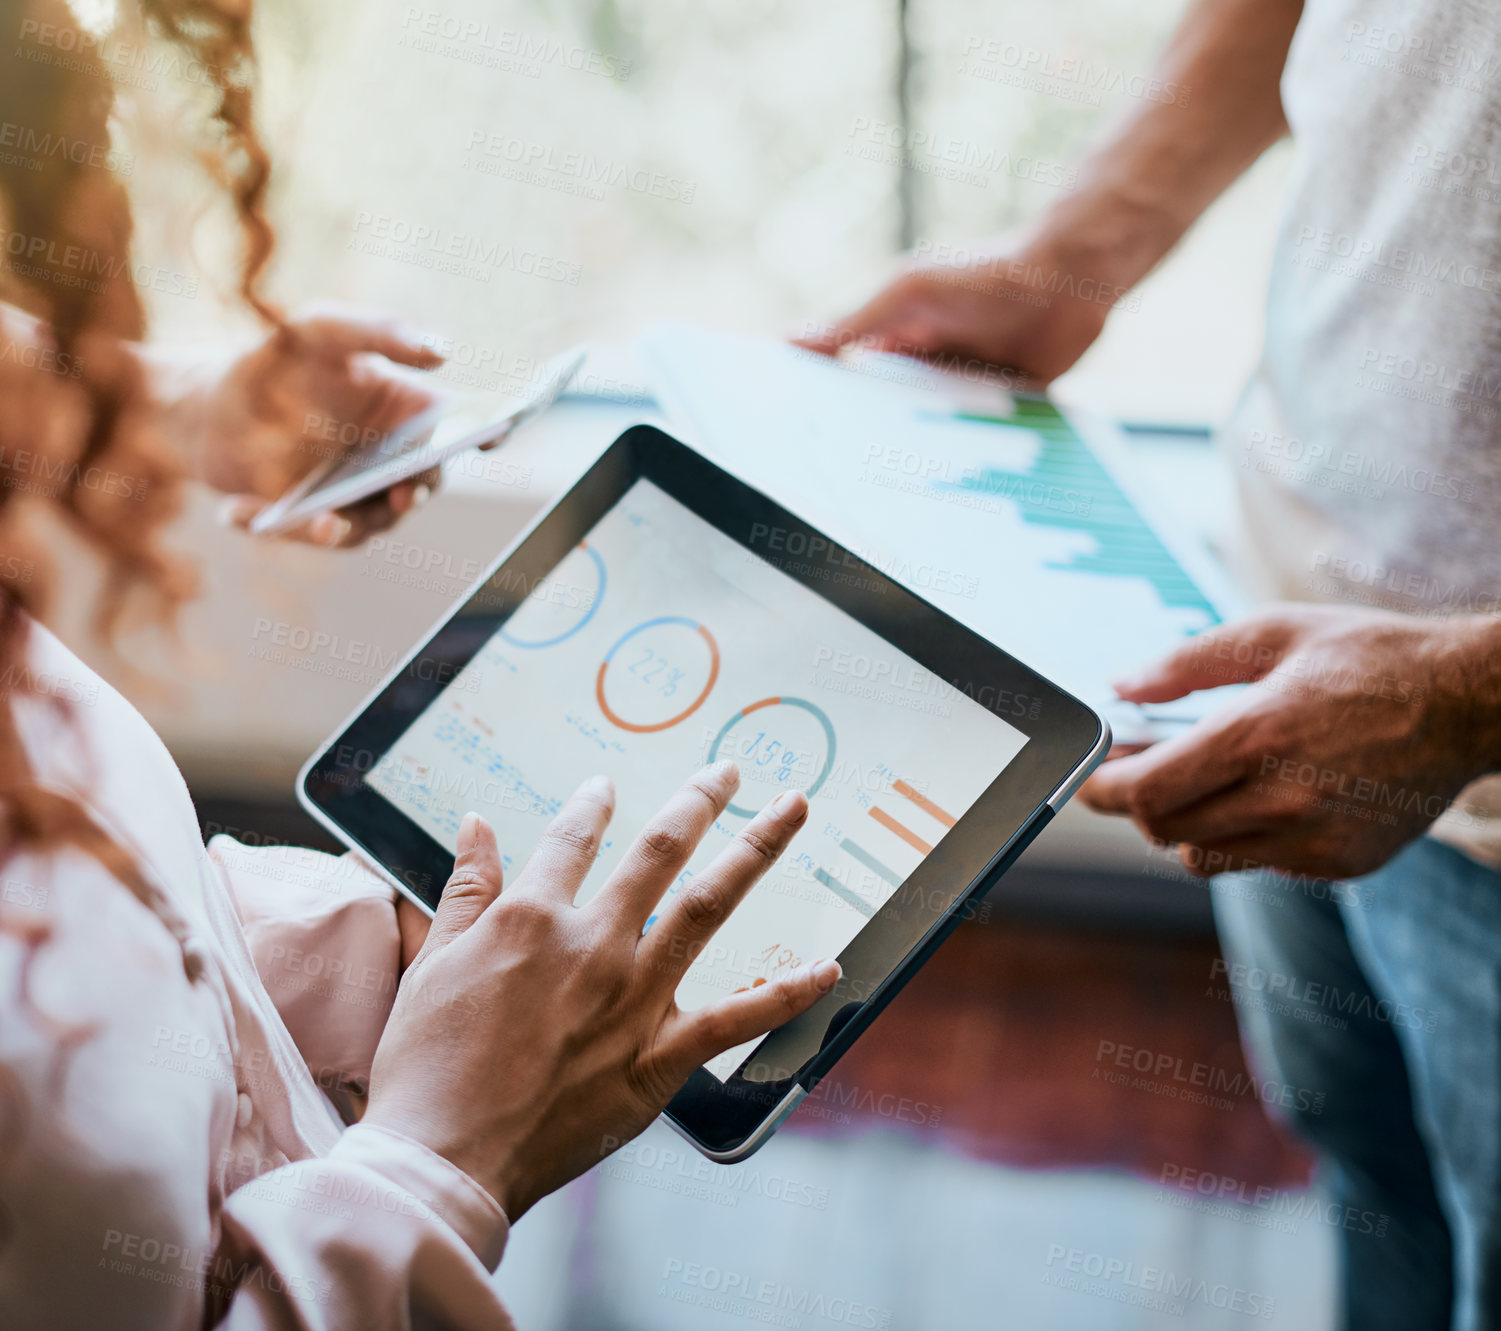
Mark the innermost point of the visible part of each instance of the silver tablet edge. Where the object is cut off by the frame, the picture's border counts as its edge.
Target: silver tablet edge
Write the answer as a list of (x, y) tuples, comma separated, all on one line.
[(380, 870), (1087, 764), (751, 1144)]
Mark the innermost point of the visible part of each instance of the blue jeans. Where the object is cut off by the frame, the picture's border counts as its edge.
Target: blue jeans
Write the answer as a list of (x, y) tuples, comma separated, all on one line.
[(1380, 1000)]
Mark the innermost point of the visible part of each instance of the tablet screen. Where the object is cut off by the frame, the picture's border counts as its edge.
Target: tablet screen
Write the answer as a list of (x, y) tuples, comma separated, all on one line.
[(658, 644)]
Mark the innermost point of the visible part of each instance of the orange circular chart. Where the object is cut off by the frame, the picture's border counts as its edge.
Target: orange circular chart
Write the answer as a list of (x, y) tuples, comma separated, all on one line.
[(657, 674)]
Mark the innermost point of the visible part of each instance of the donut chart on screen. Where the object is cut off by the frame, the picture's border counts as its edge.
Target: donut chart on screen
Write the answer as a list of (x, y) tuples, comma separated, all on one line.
[(589, 606), (653, 665), (776, 701)]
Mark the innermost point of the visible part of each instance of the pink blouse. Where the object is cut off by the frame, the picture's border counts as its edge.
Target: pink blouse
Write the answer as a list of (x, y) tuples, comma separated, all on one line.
[(167, 1158)]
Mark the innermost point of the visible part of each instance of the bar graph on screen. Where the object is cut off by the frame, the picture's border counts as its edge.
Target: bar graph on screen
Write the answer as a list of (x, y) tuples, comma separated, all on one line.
[(900, 838), (1126, 544)]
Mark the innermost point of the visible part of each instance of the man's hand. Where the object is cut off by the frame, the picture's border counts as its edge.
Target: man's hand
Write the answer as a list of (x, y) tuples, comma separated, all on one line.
[(1359, 730), (1000, 308), (253, 423), (1035, 302)]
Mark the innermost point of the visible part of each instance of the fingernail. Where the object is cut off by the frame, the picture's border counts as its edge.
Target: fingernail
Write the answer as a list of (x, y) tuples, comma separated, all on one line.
[(332, 529), (726, 770), (421, 494), (790, 803), (1124, 686), (826, 974), (468, 832), (598, 785), (227, 511)]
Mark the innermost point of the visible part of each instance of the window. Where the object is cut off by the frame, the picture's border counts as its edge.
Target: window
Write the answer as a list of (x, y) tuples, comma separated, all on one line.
[(520, 176)]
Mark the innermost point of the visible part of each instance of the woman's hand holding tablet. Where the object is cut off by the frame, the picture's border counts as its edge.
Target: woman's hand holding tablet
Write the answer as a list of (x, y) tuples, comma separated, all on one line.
[(531, 1036)]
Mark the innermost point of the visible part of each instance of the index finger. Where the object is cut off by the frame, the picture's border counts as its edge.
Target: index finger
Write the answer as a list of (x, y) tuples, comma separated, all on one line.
[(871, 326), (693, 917), (566, 852), (1235, 653), (334, 332), (666, 844)]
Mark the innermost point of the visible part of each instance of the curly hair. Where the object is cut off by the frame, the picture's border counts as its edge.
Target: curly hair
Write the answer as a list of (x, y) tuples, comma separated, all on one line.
[(69, 206), (63, 92)]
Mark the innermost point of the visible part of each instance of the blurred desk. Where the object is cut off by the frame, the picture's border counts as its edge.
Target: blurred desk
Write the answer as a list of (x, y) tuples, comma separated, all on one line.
[(285, 642)]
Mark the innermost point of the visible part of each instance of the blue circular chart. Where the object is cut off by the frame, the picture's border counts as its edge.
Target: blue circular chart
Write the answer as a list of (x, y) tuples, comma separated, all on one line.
[(590, 608), (765, 751)]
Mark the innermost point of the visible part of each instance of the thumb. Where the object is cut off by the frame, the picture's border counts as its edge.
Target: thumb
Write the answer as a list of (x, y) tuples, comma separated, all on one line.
[(1235, 653), (473, 885), (329, 530), (238, 510)]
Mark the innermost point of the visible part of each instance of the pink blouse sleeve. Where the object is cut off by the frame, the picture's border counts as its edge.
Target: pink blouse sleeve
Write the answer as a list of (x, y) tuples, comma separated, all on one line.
[(322, 930), (380, 1233)]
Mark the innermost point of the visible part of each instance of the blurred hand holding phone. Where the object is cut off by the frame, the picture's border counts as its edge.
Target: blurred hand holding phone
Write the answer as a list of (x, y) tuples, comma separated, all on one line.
[(425, 441)]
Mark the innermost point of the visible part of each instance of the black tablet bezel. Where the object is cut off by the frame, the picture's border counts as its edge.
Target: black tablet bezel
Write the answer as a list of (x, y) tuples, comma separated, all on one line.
[(1064, 736)]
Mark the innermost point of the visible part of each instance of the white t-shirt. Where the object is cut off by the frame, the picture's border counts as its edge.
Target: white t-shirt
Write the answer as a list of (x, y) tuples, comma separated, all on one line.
[(1367, 441)]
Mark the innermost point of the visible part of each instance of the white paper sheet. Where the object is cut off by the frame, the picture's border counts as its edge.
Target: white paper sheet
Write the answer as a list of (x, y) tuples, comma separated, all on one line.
[(1020, 522)]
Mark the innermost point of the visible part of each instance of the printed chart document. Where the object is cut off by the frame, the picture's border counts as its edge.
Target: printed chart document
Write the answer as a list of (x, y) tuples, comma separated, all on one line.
[(992, 506)]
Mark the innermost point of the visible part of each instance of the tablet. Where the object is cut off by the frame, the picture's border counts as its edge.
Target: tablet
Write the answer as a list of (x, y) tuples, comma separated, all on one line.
[(663, 614), (418, 444)]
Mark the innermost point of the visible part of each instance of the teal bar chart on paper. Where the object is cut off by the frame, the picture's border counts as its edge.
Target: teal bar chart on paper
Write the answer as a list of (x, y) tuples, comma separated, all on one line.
[(1127, 546), (1012, 515)]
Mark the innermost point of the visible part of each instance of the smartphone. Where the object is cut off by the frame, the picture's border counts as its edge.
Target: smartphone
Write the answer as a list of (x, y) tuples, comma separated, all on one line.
[(416, 445), (1133, 727)]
